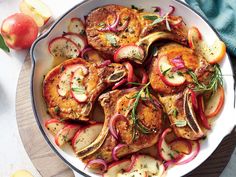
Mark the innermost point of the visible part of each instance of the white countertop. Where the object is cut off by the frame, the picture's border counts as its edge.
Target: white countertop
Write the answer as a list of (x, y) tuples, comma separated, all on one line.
[(12, 153)]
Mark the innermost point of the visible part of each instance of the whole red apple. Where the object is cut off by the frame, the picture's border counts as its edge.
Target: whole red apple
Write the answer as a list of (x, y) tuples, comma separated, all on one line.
[(19, 31)]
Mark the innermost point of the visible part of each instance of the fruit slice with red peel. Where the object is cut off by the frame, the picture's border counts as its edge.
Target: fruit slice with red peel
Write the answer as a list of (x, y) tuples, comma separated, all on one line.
[(215, 103), (131, 52), (54, 125), (64, 83), (64, 48), (194, 99), (169, 77), (85, 136), (78, 90), (201, 113), (76, 25), (116, 168), (66, 134), (213, 54), (181, 145), (37, 10), (77, 39)]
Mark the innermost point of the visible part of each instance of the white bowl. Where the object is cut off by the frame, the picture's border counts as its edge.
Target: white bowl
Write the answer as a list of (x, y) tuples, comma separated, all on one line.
[(42, 63)]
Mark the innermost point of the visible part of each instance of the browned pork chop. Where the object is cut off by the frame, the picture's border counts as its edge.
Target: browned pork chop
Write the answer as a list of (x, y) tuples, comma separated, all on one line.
[(121, 102), (108, 41), (75, 101), (172, 50)]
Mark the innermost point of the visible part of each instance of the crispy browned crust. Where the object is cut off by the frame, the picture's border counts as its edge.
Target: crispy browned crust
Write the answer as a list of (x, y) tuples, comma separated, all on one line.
[(105, 14), (119, 101), (67, 107), (172, 50)]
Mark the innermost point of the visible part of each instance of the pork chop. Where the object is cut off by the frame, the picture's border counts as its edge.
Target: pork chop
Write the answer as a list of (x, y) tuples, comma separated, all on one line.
[(121, 102), (71, 88)]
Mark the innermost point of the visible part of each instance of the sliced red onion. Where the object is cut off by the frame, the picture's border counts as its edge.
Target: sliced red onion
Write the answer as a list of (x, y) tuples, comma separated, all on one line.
[(118, 84), (112, 123), (82, 54), (133, 159), (112, 27), (124, 26), (130, 69), (178, 63), (144, 76), (185, 141), (172, 10), (191, 156), (173, 161), (97, 161), (158, 10), (104, 63), (115, 149)]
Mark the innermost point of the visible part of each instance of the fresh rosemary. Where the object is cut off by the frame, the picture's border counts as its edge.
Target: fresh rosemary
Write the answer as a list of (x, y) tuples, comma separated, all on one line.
[(139, 95), (215, 81)]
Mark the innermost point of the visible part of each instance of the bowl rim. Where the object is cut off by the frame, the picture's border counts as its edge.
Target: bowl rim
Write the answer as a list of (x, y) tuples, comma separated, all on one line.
[(34, 64)]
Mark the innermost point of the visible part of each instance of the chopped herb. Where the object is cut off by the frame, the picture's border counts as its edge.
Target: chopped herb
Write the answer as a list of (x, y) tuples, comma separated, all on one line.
[(171, 156), (175, 112), (150, 17), (3, 45), (111, 38), (136, 8), (102, 24), (82, 32), (165, 72), (79, 89), (56, 109), (170, 76), (180, 123), (215, 81), (180, 73)]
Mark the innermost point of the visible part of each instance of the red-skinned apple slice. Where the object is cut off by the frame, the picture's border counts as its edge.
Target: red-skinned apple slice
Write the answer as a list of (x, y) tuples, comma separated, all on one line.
[(78, 39), (131, 52), (85, 136), (37, 10), (63, 47), (78, 90), (169, 77), (116, 167), (54, 125), (201, 113), (66, 134), (213, 54), (64, 83), (76, 25), (215, 103)]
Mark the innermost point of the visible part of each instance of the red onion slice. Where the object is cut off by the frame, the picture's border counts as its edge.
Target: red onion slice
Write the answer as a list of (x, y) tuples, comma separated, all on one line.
[(133, 159), (172, 10), (115, 149), (158, 10), (112, 123), (112, 27), (192, 155), (144, 76), (130, 69), (178, 63), (97, 161), (124, 26), (104, 63), (118, 84), (85, 51)]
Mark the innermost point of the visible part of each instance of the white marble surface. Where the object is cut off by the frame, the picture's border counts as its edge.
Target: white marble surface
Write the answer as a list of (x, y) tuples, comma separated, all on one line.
[(12, 153)]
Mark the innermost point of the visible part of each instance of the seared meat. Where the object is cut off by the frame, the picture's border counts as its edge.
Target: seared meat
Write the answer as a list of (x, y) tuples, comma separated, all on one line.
[(57, 88), (173, 50), (121, 102), (179, 115), (108, 41)]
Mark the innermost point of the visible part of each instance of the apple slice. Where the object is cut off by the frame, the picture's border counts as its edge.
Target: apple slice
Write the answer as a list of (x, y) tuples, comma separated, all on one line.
[(85, 136), (76, 25), (63, 47), (131, 52), (78, 39), (37, 10), (78, 90), (117, 167), (54, 125), (213, 54), (66, 134), (169, 77), (215, 103), (136, 173), (64, 83)]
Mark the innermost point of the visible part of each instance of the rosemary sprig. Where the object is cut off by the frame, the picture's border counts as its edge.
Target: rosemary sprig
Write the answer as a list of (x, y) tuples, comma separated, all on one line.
[(136, 123), (215, 81)]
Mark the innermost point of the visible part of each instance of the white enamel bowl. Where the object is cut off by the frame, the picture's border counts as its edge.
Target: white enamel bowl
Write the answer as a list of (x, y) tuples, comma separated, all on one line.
[(42, 62)]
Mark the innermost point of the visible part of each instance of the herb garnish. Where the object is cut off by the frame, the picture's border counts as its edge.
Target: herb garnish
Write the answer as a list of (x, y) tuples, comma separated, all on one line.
[(136, 8), (215, 81), (175, 112), (111, 38), (139, 95), (79, 89), (3, 45), (180, 123)]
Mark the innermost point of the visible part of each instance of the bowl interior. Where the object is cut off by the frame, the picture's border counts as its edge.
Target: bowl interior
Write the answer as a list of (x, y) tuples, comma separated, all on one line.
[(42, 63)]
